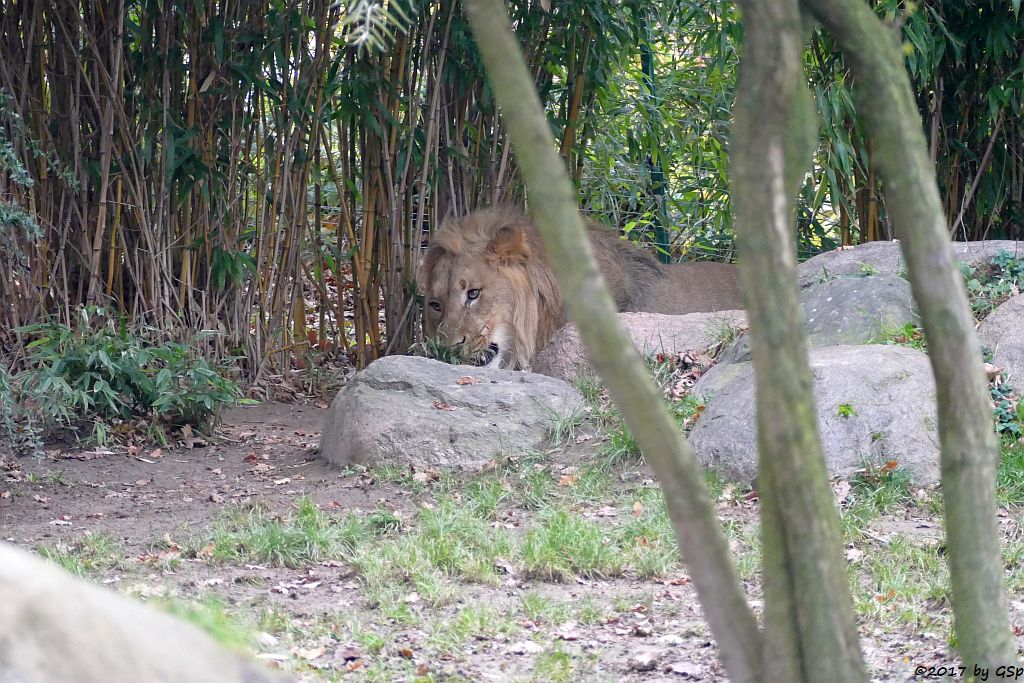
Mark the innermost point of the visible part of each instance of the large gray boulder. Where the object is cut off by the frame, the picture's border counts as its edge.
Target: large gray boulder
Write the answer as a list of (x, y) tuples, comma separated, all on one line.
[(1003, 332), (850, 309), (875, 404), (565, 358), (424, 413), (856, 310), (55, 628), (884, 258)]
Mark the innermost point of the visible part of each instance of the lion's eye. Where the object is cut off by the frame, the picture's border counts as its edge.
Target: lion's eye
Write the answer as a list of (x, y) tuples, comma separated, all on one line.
[(436, 305), (472, 294)]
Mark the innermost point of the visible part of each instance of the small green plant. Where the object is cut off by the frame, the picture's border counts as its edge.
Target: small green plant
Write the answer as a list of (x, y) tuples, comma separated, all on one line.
[(724, 332), (846, 410), (910, 335), (98, 372), (1007, 409), (564, 425), (868, 269)]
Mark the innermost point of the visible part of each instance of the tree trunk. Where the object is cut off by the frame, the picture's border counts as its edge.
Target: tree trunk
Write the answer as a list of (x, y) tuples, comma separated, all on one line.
[(970, 450), (808, 610), (589, 305)]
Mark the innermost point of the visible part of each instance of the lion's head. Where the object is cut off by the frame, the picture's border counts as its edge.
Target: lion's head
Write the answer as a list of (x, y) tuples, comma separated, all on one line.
[(488, 288)]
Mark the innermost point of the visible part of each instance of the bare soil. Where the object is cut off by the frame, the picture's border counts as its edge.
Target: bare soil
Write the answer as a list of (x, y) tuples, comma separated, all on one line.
[(152, 499)]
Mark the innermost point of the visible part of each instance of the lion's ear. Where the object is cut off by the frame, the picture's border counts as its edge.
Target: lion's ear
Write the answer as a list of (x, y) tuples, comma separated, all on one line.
[(509, 245)]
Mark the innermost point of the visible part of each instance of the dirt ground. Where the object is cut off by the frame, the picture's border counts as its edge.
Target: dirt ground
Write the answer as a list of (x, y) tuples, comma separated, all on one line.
[(151, 499)]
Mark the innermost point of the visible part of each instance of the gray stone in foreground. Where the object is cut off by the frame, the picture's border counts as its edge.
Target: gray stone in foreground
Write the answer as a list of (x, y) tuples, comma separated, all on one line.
[(886, 392), (884, 258), (1003, 332), (55, 628), (413, 411), (565, 358)]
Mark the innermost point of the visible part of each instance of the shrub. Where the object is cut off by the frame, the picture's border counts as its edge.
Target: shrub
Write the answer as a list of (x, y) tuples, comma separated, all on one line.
[(99, 371)]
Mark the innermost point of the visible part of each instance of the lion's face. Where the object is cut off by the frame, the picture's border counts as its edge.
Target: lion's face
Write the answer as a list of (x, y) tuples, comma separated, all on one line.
[(478, 291), (468, 303)]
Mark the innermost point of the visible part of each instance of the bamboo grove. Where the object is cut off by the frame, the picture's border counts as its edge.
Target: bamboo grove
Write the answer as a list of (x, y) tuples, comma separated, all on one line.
[(240, 167)]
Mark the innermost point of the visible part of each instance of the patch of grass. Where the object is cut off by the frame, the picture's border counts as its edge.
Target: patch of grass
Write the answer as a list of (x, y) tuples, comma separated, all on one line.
[(555, 665), (881, 488), (745, 539), (542, 609), (535, 487), (472, 621), (592, 484), (564, 426), (875, 492), (561, 545), (91, 553), (900, 582), (212, 616), (1013, 560), (370, 639), (620, 447), (724, 332), (546, 609), (1010, 475), (460, 543), (589, 385), (485, 496), (647, 538), (910, 335), (449, 541), (251, 533)]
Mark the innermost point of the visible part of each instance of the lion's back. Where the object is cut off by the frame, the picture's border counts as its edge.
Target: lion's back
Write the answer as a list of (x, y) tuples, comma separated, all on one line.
[(693, 287)]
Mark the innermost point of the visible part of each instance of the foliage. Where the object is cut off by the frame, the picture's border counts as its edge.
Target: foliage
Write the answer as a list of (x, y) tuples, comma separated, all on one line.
[(1007, 409), (992, 282), (272, 169), (99, 371), (369, 24), (17, 226), (17, 425)]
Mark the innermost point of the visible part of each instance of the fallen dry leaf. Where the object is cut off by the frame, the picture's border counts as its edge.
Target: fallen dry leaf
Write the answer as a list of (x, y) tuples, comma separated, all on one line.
[(441, 405), (311, 653), (424, 476), (463, 381)]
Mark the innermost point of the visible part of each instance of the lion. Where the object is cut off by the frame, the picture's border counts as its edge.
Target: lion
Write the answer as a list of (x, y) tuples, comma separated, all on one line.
[(488, 287)]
